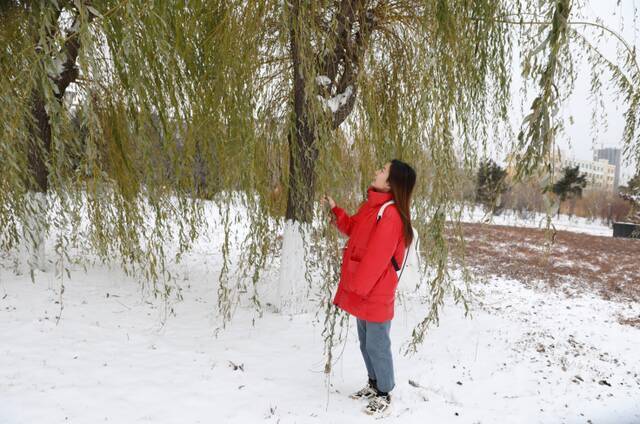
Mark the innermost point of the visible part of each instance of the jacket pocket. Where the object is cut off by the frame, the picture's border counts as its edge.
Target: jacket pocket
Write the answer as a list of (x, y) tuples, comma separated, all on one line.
[(357, 254)]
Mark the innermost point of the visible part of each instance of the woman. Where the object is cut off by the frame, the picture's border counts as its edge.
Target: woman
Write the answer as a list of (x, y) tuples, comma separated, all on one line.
[(368, 276)]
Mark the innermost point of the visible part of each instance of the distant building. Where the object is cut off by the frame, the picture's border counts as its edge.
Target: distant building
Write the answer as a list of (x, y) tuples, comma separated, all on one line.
[(600, 174), (612, 155)]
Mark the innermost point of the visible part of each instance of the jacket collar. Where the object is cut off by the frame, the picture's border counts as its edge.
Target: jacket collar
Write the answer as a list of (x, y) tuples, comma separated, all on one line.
[(377, 198)]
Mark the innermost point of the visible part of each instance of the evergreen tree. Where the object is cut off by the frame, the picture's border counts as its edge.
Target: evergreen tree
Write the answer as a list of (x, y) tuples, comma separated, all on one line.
[(570, 186), (491, 185)]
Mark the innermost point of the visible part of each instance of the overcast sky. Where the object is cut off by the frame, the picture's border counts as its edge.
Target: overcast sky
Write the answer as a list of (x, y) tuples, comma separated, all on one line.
[(578, 140)]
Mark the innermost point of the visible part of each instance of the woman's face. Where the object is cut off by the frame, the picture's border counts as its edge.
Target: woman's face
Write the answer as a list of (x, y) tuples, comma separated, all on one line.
[(380, 181)]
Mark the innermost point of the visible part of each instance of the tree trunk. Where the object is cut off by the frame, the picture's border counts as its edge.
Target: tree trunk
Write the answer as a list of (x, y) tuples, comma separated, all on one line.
[(289, 294), (347, 54), (302, 159), (40, 143), (303, 151)]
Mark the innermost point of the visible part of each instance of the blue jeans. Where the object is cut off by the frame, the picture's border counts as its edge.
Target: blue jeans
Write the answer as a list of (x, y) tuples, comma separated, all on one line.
[(375, 346)]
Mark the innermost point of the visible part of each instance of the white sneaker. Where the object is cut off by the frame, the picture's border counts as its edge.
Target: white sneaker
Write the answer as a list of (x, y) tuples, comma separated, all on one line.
[(379, 405), (367, 392)]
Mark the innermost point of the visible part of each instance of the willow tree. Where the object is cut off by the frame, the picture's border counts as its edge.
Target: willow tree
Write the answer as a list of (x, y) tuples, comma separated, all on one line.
[(258, 106)]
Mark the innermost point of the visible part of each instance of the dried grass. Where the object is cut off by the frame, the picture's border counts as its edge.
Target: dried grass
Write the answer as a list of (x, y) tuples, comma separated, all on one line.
[(607, 266)]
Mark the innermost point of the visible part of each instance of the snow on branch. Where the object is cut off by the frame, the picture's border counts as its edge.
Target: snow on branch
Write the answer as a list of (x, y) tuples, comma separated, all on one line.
[(337, 101)]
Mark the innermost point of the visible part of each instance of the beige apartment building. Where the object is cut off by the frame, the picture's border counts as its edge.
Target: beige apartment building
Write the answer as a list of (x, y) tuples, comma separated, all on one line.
[(600, 174)]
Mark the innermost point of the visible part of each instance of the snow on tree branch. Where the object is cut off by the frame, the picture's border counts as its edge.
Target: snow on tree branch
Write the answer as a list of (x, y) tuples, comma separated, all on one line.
[(337, 101)]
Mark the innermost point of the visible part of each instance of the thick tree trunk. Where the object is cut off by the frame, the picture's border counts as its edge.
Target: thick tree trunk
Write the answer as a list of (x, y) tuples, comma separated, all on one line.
[(40, 143), (340, 65), (40, 146), (303, 151), (289, 294), (302, 159)]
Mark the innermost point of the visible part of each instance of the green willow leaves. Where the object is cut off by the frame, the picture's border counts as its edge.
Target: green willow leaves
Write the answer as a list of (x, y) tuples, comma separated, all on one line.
[(128, 114)]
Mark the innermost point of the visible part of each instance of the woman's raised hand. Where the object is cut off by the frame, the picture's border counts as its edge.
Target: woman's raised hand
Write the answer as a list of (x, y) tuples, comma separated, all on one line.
[(328, 200)]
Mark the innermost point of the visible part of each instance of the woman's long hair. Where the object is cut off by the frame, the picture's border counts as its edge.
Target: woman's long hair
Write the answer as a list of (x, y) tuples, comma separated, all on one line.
[(402, 179)]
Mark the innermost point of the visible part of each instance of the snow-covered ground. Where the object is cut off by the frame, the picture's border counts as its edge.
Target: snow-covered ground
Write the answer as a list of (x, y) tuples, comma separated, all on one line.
[(526, 356), (539, 220)]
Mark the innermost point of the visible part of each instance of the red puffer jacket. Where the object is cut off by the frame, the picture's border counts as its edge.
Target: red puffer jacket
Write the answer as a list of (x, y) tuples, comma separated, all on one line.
[(368, 279)]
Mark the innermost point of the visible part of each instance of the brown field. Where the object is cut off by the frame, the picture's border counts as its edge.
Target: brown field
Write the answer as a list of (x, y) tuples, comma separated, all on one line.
[(607, 266)]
